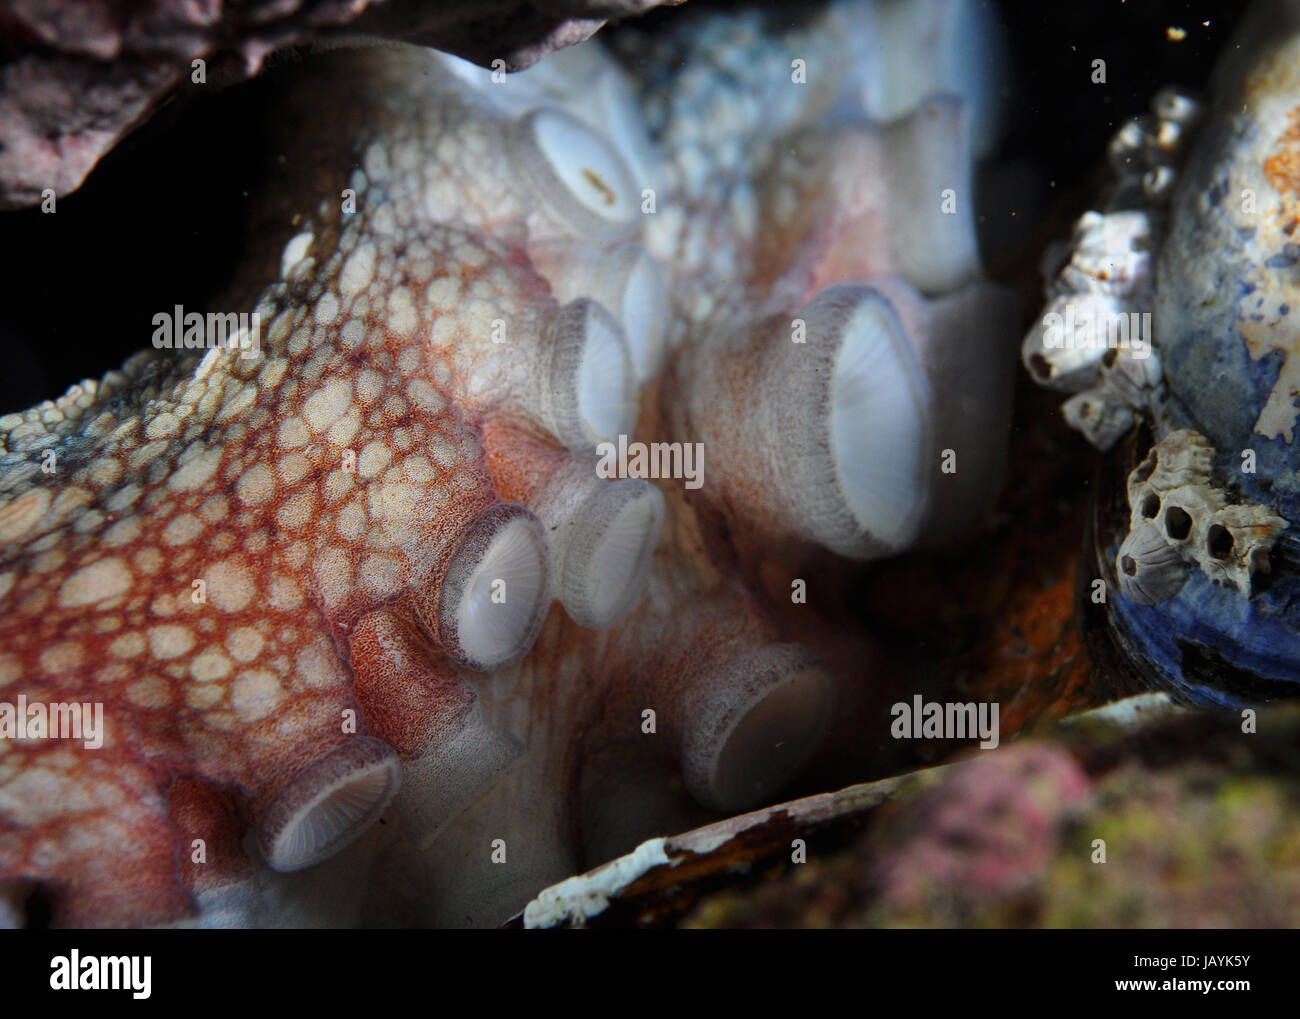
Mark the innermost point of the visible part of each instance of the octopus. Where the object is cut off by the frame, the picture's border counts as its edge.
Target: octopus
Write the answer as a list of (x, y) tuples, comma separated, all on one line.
[(520, 519)]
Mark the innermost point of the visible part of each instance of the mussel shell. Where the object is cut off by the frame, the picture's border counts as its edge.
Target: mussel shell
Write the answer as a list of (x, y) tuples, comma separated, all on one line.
[(1206, 646), (1228, 271), (1225, 271)]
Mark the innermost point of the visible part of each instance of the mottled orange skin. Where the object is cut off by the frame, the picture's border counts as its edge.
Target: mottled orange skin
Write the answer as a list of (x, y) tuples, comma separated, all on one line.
[(234, 685), (319, 492)]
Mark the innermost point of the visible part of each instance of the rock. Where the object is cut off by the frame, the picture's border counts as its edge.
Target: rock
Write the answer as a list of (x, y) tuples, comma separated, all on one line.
[(1198, 820), (80, 76)]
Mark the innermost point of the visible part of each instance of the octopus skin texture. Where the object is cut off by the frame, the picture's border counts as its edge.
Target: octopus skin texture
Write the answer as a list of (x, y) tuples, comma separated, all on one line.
[(376, 640)]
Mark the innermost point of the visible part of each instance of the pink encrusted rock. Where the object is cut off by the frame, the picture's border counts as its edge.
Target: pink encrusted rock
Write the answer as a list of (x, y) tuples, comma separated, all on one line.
[(990, 826), (86, 74)]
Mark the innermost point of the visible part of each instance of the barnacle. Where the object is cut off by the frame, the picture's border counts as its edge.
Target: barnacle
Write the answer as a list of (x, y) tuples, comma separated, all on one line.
[(1192, 251)]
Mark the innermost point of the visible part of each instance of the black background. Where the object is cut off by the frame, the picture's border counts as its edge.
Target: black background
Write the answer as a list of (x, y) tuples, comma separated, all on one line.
[(162, 220)]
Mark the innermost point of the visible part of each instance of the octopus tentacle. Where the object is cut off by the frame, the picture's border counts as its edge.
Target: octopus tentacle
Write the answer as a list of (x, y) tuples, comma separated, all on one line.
[(374, 567)]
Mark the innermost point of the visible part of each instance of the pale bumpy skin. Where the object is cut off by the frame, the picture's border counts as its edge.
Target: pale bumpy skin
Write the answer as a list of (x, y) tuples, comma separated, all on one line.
[(276, 573)]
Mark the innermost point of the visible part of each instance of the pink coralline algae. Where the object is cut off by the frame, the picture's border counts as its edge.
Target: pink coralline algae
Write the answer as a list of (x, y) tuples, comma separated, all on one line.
[(986, 833), (84, 73)]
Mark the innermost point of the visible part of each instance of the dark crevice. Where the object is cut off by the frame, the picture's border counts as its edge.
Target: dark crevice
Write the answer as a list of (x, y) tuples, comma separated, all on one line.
[(1204, 666)]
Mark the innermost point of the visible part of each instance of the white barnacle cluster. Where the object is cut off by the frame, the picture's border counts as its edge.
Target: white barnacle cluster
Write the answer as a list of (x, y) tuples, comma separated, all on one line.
[(1095, 339), (1179, 518), (1145, 153)]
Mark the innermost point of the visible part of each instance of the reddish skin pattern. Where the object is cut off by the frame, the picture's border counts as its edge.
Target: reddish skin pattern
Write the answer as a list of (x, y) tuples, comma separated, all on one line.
[(330, 477), (593, 783), (520, 459), (194, 809), (409, 696), (163, 722), (320, 492)]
